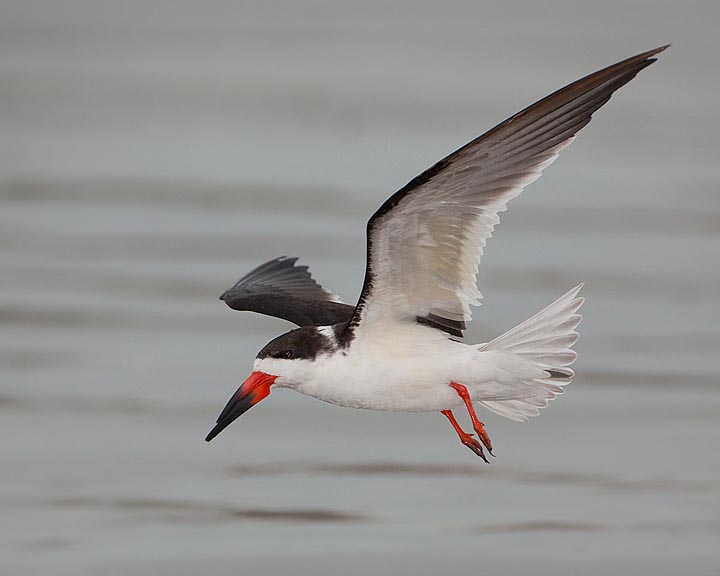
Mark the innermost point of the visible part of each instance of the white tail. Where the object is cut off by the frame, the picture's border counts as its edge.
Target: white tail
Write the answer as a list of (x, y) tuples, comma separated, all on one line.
[(543, 341)]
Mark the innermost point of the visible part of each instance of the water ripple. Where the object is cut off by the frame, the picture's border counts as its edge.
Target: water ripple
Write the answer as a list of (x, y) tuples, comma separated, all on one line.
[(437, 470), (181, 510)]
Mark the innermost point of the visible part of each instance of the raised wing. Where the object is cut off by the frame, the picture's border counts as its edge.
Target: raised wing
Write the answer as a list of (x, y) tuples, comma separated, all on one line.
[(425, 242), (281, 289)]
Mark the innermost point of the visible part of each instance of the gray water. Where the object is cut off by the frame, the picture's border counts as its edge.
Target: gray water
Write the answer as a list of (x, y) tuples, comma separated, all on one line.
[(151, 152)]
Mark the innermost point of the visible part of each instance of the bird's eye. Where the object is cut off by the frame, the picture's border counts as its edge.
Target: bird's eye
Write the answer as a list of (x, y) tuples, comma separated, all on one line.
[(288, 354)]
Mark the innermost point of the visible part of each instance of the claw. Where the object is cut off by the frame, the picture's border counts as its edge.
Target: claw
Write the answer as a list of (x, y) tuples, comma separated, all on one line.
[(465, 438), (484, 438), (475, 446)]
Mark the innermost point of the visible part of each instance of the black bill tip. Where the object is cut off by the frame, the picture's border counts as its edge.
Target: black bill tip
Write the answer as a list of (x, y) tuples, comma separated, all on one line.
[(214, 432), (255, 388)]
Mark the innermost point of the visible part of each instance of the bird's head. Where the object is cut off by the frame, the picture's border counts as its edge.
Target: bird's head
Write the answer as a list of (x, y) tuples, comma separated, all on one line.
[(286, 361)]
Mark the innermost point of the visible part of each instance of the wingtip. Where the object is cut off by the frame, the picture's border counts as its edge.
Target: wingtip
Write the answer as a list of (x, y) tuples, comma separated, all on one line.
[(660, 48), (648, 57), (649, 53), (637, 62)]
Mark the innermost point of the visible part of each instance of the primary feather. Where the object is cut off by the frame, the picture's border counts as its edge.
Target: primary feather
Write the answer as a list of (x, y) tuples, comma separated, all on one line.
[(280, 288)]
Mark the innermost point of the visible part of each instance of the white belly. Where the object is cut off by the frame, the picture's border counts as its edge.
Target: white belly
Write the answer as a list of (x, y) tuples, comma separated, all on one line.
[(401, 372), (405, 366)]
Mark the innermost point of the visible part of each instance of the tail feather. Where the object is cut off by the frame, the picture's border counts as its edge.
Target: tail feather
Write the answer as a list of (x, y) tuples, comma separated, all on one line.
[(544, 341)]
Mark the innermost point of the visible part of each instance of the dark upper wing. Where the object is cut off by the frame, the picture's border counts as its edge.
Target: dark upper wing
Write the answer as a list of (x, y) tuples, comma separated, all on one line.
[(425, 242), (281, 289)]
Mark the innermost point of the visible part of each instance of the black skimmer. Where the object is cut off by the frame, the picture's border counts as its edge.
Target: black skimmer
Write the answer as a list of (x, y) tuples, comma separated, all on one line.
[(397, 349)]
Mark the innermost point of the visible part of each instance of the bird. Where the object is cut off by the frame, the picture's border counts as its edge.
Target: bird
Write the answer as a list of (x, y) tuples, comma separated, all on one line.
[(400, 348)]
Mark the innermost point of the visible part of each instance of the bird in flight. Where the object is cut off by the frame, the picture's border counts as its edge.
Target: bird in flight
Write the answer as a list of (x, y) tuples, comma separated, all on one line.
[(399, 349)]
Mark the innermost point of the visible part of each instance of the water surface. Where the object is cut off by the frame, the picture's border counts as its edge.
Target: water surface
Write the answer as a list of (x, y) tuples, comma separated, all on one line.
[(153, 152)]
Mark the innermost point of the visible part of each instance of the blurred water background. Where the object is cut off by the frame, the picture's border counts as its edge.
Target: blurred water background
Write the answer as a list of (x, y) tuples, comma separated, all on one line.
[(153, 151)]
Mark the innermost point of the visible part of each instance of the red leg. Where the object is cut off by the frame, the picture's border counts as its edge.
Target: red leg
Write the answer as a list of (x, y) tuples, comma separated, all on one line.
[(477, 425), (465, 438)]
